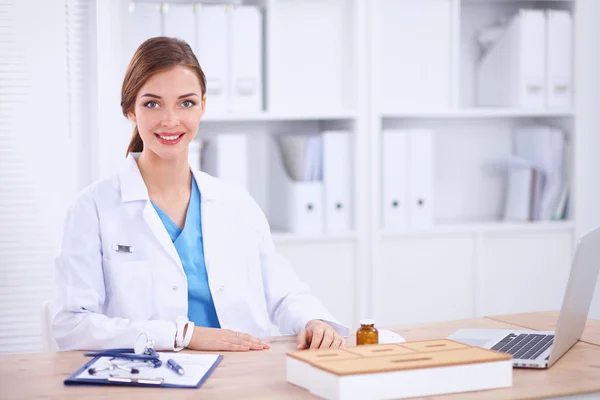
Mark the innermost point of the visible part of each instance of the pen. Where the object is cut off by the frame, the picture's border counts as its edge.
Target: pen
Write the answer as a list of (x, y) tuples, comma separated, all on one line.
[(175, 366), (148, 381)]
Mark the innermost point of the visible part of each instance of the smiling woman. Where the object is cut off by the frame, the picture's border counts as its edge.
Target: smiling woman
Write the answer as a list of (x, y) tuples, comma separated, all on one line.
[(176, 253), (164, 87)]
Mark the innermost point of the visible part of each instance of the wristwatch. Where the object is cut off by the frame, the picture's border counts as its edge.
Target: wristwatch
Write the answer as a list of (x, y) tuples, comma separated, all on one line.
[(180, 324)]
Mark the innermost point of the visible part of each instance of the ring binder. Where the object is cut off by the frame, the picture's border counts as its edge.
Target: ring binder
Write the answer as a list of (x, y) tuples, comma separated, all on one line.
[(294, 205)]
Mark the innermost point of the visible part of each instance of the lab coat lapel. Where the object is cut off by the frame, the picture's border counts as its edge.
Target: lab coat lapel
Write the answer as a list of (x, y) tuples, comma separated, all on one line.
[(133, 188), (212, 233), (160, 233)]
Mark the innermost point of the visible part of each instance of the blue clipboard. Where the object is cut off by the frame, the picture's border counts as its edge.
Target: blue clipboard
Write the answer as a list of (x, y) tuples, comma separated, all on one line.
[(141, 382)]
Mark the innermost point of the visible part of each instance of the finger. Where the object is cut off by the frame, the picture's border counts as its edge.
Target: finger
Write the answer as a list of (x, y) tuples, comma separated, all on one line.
[(328, 338), (249, 338), (338, 342), (233, 343), (317, 338), (301, 340), (248, 341), (251, 345), (239, 339), (255, 341), (236, 347)]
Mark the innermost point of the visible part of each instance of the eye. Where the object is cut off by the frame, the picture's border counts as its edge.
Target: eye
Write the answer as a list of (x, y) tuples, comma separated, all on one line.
[(151, 104), (188, 103)]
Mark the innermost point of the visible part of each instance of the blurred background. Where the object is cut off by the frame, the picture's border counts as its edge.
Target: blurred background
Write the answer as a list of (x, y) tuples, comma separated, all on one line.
[(418, 160)]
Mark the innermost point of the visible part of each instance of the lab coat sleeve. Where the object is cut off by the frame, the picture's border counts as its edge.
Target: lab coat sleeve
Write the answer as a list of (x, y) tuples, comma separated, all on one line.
[(289, 300), (79, 295)]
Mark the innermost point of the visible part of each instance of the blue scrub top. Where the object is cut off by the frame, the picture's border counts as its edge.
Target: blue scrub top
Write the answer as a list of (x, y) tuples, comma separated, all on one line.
[(190, 247)]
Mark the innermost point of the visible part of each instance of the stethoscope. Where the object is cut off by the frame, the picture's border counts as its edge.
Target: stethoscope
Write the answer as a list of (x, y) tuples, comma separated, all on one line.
[(143, 352)]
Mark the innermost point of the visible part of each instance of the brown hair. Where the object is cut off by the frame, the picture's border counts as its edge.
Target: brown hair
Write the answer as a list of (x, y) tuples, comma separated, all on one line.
[(155, 55)]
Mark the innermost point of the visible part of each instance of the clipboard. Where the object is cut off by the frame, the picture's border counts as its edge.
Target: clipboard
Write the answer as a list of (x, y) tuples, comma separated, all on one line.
[(198, 367)]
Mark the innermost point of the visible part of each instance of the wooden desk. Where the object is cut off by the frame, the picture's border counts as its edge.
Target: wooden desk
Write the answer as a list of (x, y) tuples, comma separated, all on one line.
[(261, 375)]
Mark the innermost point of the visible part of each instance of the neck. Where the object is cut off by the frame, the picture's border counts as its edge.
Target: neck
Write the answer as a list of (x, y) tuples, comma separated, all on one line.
[(164, 176)]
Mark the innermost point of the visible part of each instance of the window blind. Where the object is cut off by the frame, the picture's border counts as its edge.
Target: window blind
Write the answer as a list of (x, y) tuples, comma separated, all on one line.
[(38, 160), (80, 53)]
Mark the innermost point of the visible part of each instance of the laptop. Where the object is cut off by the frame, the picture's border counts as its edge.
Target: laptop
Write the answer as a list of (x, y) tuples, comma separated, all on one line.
[(541, 349)]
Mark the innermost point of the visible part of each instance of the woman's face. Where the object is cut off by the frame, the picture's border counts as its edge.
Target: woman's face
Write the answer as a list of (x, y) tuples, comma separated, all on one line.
[(167, 111)]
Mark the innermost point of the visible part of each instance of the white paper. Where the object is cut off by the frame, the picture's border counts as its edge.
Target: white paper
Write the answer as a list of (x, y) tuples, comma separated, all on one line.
[(196, 366), (301, 155)]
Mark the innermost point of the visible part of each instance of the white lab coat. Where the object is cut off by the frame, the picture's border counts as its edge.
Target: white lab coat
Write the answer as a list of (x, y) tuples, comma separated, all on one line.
[(104, 298)]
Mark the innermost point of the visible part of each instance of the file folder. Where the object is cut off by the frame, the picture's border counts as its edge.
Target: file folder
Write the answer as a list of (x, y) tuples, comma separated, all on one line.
[(421, 178), (537, 179), (316, 161), (246, 59), (336, 162), (523, 181), (294, 205), (212, 51), (302, 156), (559, 59), (511, 73), (226, 157), (179, 22), (543, 147), (394, 182)]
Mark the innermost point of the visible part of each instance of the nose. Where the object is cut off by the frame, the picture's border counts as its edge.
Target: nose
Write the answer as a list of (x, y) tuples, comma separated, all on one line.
[(170, 119)]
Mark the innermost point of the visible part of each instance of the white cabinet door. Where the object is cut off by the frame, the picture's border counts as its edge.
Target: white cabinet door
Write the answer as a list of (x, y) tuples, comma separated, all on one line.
[(523, 271), (329, 269), (424, 278)]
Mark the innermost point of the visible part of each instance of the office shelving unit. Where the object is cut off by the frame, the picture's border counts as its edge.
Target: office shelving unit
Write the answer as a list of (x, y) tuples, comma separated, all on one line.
[(466, 263), (332, 64)]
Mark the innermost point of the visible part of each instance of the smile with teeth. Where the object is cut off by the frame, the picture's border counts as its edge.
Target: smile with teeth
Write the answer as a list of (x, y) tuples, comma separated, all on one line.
[(174, 137)]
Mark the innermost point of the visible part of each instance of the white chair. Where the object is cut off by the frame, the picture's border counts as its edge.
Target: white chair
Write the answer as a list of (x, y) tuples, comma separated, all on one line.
[(48, 342)]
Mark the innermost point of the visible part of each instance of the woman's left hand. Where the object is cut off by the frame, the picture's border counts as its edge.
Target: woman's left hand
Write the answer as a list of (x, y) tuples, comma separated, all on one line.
[(319, 335)]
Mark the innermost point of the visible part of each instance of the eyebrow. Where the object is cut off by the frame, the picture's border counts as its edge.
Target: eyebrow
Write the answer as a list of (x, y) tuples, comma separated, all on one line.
[(158, 97)]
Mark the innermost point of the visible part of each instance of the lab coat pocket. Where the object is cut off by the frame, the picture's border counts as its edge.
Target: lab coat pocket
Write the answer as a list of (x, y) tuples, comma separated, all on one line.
[(124, 252), (129, 288)]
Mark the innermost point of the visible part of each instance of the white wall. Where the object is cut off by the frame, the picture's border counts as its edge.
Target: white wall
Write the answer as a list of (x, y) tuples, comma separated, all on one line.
[(587, 147), (112, 131)]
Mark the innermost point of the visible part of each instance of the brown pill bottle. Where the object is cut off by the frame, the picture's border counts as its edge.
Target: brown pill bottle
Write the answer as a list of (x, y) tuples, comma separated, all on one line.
[(367, 333)]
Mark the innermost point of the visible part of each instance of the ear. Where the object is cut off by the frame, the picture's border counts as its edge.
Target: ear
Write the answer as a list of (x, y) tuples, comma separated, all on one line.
[(131, 117)]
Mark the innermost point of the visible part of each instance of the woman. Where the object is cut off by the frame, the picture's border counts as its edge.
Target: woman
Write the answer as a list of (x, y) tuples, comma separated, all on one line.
[(178, 254)]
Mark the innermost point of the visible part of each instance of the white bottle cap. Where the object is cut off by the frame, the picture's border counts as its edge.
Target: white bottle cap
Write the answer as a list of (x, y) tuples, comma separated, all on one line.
[(367, 322)]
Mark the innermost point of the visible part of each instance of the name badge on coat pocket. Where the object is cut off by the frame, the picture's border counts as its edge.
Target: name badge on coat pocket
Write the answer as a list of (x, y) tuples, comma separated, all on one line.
[(121, 248)]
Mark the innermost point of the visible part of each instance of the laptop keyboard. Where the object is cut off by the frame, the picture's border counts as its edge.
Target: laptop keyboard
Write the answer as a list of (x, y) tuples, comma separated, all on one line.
[(524, 346)]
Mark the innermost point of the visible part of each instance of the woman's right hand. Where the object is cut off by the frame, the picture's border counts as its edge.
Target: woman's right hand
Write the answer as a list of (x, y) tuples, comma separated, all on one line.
[(215, 339)]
